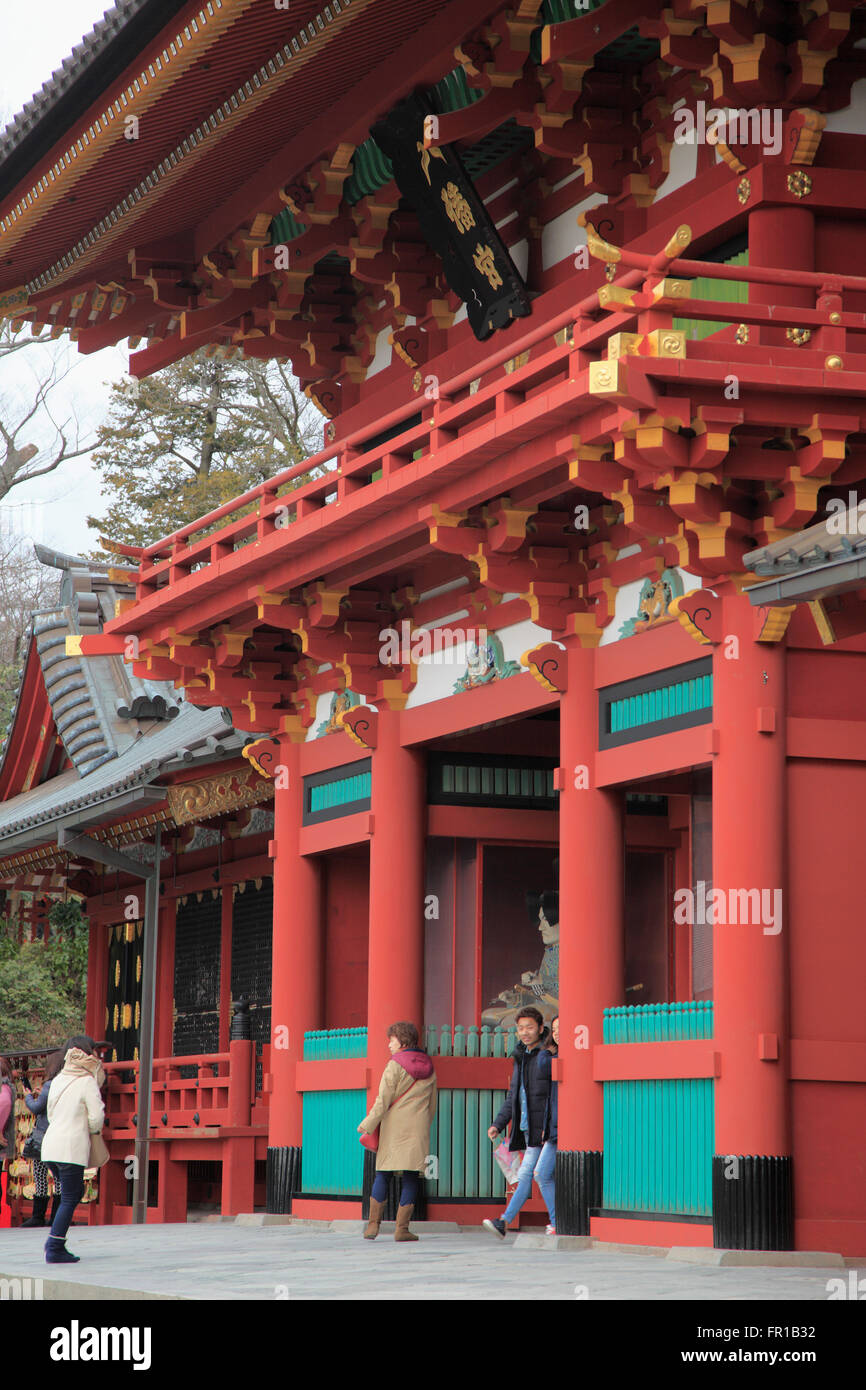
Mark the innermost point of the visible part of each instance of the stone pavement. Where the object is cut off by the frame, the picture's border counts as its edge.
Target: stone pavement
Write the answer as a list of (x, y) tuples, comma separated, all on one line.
[(300, 1260)]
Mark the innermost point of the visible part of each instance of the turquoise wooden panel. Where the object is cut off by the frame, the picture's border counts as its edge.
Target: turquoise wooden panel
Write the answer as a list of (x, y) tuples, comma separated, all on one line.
[(658, 1022), (658, 1143), (682, 697), (466, 1166), (333, 1044), (333, 1159)]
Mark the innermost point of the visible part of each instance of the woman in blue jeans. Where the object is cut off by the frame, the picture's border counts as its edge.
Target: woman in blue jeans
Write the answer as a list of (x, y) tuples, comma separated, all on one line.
[(75, 1113), (528, 1109)]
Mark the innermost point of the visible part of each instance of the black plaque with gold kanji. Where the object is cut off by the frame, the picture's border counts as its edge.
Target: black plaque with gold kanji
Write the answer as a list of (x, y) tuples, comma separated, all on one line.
[(453, 219)]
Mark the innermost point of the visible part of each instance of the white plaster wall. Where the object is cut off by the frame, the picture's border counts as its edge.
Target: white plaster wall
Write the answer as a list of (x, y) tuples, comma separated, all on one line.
[(851, 120), (683, 167), (519, 253), (562, 236), (382, 355)]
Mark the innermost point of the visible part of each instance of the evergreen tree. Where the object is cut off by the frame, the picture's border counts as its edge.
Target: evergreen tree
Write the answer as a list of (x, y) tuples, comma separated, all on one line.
[(184, 441)]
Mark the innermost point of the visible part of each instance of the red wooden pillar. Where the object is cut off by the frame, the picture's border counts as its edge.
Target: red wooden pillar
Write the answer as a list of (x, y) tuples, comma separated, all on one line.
[(238, 1154), (395, 986), (296, 983), (782, 238), (171, 1188), (752, 1192), (590, 944)]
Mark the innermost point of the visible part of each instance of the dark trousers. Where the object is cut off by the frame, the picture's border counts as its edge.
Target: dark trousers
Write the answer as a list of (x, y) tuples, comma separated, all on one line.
[(71, 1177), (408, 1192)]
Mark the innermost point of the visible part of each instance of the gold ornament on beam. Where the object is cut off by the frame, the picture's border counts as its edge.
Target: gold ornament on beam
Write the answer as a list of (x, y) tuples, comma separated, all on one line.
[(799, 183)]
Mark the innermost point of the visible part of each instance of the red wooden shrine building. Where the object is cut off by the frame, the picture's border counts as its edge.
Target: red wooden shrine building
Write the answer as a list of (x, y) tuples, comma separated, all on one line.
[(529, 737)]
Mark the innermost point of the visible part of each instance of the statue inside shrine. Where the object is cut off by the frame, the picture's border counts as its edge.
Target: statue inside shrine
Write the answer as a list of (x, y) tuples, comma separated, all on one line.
[(537, 987)]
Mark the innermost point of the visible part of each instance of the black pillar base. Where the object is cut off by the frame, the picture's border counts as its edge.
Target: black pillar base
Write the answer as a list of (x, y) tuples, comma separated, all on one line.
[(578, 1188), (283, 1178), (753, 1206), (393, 1200)]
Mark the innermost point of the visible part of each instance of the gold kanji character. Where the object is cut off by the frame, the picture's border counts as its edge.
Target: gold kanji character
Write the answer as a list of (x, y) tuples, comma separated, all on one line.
[(426, 156), (483, 262), (457, 207)]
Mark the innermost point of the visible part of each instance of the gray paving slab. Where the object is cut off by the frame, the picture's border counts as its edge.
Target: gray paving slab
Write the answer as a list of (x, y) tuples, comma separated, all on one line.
[(302, 1262)]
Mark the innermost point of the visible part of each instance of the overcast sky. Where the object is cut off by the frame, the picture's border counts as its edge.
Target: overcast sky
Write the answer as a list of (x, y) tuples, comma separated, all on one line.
[(34, 40)]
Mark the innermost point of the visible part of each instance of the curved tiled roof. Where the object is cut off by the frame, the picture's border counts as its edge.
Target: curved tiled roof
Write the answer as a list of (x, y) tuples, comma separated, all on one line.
[(195, 735), (97, 703)]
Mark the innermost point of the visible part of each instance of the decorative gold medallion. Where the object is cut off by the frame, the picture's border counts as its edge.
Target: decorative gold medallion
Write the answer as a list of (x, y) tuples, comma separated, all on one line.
[(798, 336), (834, 363), (744, 191), (742, 334), (799, 183)]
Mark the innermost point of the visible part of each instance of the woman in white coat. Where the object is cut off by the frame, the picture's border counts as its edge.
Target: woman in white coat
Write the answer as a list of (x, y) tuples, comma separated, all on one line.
[(75, 1113)]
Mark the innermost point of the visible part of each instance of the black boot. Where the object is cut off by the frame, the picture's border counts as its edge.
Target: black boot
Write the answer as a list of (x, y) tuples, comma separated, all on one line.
[(37, 1217)]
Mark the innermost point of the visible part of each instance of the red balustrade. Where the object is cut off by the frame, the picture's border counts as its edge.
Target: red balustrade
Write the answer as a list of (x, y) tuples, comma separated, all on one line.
[(221, 1093)]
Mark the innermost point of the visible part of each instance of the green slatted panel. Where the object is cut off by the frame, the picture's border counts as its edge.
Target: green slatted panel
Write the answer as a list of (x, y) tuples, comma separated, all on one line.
[(681, 697), (467, 1168), (459, 1140), (658, 1022), (658, 1146), (453, 93), (658, 1135), (330, 1044), (341, 792), (705, 287), (333, 1160), (285, 228)]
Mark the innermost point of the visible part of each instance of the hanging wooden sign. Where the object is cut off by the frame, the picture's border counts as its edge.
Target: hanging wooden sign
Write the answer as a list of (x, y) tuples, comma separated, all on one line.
[(453, 219)]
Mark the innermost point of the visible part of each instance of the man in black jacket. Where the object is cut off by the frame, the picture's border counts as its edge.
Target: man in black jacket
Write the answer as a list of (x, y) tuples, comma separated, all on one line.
[(527, 1107)]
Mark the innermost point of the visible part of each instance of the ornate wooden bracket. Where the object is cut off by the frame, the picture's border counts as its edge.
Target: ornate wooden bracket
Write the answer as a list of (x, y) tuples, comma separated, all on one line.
[(700, 612), (548, 665), (361, 724), (263, 754)]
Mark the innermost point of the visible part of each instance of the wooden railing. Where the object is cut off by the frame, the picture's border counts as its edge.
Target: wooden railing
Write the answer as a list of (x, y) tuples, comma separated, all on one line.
[(221, 1093), (570, 341)]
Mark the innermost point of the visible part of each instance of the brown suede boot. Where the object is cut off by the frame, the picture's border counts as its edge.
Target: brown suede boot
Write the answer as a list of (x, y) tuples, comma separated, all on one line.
[(371, 1230), (404, 1216)]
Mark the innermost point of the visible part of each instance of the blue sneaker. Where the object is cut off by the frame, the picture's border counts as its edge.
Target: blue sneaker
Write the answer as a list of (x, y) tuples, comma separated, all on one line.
[(57, 1254), (496, 1227)]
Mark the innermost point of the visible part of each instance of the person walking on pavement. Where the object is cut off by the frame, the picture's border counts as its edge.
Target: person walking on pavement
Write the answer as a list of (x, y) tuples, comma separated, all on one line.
[(527, 1109), (75, 1113), (403, 1113), (38, 1106)]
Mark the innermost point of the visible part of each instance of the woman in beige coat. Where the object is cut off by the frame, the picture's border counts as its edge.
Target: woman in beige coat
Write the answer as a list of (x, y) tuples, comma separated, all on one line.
[(75, 1113), (403, 1112)]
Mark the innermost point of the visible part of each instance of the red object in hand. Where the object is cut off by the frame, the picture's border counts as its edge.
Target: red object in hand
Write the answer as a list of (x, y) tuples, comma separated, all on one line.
[(370, 1141)]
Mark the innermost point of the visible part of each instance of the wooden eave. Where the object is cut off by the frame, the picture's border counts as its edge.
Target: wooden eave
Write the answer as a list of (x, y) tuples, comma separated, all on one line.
[(314, 97), (32, 736)]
